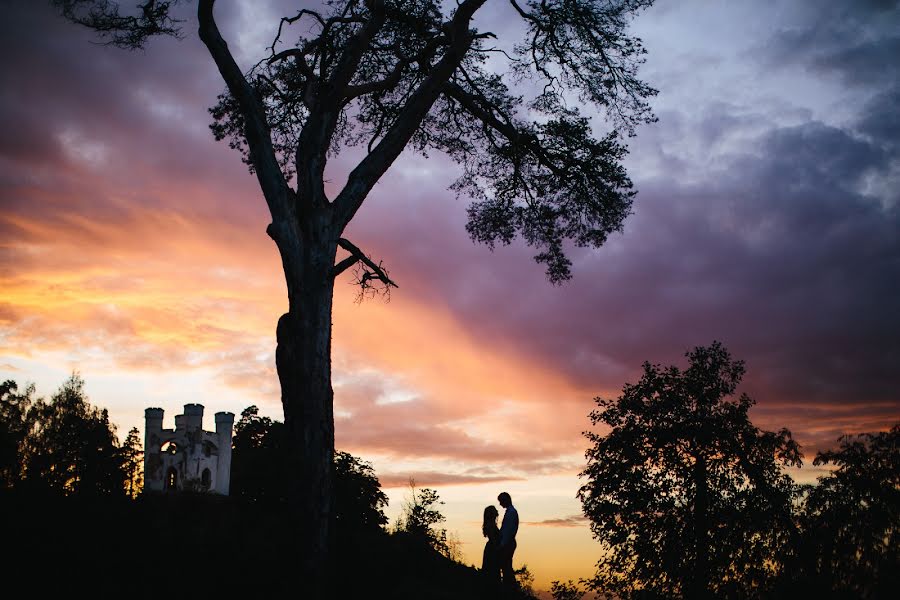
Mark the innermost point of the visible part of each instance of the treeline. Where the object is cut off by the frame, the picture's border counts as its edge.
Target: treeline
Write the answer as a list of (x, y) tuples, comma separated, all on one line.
[(64, 445), (690, 500)]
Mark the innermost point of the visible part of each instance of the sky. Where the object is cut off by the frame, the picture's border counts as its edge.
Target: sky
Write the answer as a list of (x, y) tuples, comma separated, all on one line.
[(133, 250)]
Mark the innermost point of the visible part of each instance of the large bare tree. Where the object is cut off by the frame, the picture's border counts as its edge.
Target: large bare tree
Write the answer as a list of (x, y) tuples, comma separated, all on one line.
[(391, 74)]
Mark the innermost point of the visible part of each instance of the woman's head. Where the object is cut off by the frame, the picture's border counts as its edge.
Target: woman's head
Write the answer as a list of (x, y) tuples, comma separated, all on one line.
[(490, 519)]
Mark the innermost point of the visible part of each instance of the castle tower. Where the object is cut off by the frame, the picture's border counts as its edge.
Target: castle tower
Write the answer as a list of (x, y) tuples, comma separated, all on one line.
[(187, 458), (153, 478), (224, 430)]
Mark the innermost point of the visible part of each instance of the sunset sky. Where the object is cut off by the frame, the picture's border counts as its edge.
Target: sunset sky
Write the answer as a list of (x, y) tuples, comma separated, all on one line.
[(133, 250)]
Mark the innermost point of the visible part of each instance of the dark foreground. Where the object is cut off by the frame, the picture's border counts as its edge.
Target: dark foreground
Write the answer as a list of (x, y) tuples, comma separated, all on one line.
[(178, 546)]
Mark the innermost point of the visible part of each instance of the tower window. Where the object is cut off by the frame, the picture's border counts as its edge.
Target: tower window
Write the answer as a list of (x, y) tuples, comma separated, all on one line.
[(206, 479)]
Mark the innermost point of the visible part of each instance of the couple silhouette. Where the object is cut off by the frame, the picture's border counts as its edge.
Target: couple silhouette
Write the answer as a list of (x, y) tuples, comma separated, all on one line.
[(501, 543)]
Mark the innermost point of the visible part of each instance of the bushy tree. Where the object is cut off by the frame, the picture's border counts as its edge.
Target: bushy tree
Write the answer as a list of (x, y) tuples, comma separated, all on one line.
[(568, 590), (15, 426), (258, 458), (73, 447), (390, 74), (358, 500), (258, 463), (851, 518), (686, 495), (421, 516)]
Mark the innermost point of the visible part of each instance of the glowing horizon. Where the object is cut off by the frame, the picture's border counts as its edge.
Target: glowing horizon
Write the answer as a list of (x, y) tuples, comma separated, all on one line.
[(133, 250)]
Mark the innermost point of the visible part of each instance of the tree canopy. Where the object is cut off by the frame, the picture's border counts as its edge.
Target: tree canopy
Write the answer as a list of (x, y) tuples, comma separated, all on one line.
[(387, 74), (687, 496)]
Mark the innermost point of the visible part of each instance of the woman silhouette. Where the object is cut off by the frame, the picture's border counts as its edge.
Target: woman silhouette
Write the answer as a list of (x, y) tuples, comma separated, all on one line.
[(490, 562)]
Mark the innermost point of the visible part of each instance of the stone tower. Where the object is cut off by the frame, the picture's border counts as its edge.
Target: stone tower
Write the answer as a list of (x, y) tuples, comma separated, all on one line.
[(187, 458)]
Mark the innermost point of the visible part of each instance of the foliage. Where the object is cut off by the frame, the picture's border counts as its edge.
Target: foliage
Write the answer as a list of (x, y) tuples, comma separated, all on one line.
[(851, 519), (686, 495), (358, 499), (566, 591), (258, 461), (133, 463), (73, 447), (421, 515), (14, 428), (525, 581)]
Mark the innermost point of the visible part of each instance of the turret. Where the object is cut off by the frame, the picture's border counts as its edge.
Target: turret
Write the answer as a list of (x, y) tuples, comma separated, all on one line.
[(153, 418), (193, 416), (224, 427)]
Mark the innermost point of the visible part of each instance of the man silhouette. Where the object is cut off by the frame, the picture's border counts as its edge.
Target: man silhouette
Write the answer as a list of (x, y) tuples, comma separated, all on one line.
[(508, 530)]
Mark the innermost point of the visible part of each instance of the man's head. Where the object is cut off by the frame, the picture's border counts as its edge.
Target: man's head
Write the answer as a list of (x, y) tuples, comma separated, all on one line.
[(504, 500)]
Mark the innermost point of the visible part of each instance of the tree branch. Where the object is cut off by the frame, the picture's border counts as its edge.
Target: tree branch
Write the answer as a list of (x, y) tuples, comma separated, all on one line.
[(374, 165), (358, 255), (275, 189)]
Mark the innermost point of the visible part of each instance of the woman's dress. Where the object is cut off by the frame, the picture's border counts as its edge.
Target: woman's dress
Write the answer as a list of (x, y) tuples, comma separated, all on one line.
[(490, 562)]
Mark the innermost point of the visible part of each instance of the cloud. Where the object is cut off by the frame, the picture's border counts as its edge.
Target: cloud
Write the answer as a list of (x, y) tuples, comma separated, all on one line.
[(391, 479), (853, 40), (570, 521)]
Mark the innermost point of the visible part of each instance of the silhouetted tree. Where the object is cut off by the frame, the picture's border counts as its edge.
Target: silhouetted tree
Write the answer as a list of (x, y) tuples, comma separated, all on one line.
[(14, 429), (851, 518), (358, 500), (421, 515), (686, 495), (258, 458), (525, 581), (133, 463), (566, 591), (73, 447), (395, 73)]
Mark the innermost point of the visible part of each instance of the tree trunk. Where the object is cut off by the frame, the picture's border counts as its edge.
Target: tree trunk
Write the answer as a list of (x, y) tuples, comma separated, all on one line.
[(303, 359), (699, 581)]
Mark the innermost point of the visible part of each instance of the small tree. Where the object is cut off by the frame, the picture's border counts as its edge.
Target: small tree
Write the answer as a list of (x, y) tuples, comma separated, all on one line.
[(686, 495), (258, 460), (525, 581), (73, 447), (133, 463), (566, 591), (421, 516), (358, 500), (851, 519)]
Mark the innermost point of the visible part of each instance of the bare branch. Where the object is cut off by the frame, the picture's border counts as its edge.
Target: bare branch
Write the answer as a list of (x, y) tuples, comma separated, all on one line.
[(377, 271), (275, 189)]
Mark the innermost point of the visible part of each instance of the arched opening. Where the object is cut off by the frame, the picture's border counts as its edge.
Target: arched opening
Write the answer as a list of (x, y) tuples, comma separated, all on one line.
[(210, 449), (169, 447), (171, 479), (206, 479)]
